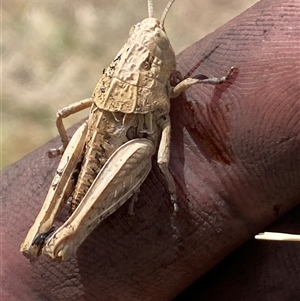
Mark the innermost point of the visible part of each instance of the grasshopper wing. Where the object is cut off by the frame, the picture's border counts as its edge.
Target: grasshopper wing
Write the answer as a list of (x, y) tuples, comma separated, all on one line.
[(60, 189), (120, 177)]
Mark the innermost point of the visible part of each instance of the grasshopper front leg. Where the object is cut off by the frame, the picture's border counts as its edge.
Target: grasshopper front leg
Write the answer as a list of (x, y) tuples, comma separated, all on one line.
[(63, 113), (199, 79)]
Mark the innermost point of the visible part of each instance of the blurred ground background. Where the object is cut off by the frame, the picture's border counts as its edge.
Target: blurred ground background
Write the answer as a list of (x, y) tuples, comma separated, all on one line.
[(53, 53)]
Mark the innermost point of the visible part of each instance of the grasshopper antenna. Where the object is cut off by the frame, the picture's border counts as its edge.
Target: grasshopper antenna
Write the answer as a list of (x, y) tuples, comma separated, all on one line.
[(163, 17), (150, 8)]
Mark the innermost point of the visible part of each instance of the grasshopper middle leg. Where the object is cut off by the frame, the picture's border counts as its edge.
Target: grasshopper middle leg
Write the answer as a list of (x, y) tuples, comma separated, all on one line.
[(163, 158)]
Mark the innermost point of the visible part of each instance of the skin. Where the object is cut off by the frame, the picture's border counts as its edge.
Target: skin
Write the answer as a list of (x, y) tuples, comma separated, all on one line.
[(266, 271), (235, 159)]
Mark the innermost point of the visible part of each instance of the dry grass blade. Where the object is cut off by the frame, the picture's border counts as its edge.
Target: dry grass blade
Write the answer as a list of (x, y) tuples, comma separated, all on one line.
[(277, 236)]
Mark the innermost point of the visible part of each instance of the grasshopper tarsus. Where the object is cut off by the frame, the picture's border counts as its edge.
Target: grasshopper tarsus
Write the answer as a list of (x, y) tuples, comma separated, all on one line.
[(173, 197), (41, 238), (226, 77), (230, 72), (55, 152)]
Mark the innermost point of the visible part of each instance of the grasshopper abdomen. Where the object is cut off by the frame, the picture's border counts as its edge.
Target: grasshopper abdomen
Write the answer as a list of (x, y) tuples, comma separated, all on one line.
[(105, 135)]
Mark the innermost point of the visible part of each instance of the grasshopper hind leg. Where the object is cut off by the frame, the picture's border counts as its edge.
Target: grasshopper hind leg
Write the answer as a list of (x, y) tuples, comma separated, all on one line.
[(120, 178)]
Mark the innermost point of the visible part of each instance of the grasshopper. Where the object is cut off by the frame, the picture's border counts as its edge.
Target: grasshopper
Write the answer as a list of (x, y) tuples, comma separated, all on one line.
[(109, 156)]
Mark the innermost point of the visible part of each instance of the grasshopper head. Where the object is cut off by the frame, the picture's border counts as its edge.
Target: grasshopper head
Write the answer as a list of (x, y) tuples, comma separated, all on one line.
[(150, 33)]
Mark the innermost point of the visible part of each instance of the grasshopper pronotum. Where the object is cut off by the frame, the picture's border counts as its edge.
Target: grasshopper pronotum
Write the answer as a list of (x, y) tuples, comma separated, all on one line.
[(109, 156)]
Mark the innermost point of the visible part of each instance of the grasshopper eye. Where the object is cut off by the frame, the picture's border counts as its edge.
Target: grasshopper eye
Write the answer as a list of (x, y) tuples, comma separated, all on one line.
[(161, 38)]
